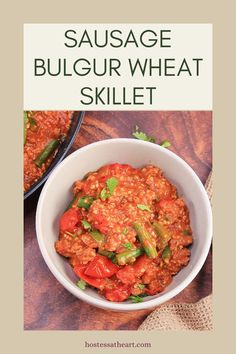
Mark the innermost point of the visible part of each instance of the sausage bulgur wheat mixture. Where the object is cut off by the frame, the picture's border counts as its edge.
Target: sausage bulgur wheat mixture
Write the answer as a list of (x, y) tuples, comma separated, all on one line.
[(44, 131), (126, 232)]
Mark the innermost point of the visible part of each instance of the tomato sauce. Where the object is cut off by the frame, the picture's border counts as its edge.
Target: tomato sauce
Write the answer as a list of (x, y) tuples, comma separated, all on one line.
[(127, 231)]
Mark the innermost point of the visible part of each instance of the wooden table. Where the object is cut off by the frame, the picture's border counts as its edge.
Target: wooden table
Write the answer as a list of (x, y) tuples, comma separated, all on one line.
[(47, 304)]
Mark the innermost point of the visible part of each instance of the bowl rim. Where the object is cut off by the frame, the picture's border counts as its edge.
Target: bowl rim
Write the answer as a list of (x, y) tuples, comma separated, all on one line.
[(116, 306)]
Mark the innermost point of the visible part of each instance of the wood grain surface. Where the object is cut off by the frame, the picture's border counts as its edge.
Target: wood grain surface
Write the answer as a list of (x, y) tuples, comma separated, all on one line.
[(47, 305)]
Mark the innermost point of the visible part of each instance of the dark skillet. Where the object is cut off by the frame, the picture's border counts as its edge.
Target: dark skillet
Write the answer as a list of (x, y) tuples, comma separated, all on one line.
[(77, 119)]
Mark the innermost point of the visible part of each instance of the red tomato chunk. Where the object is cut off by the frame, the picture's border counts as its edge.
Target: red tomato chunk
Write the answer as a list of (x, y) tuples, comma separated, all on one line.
[(101, 267), (69, 220), (126, 232), (97, 283)]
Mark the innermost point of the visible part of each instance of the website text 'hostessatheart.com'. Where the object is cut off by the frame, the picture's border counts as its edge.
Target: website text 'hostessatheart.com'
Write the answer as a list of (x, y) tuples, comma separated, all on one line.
[(117, 344)]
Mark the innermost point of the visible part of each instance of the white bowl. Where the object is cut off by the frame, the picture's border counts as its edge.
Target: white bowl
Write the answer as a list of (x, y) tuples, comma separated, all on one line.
[(57, 193)]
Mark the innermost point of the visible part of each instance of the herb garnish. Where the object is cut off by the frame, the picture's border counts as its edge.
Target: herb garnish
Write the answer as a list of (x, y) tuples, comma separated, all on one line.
[(128, 245), (81, 284), (135, 299), (111, 185), (143, 207), (142, 136), (165, 143), (141, 286), (85, 202)]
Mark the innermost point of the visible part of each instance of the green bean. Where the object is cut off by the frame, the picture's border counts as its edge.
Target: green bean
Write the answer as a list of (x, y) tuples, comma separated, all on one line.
[(33, 123), (145, 239), (25, 126), (97, 236), (106, 253), (74, 235), (166, 253), (85, 202), (46, 153), (163, 234), (127, 256), (86, 225)]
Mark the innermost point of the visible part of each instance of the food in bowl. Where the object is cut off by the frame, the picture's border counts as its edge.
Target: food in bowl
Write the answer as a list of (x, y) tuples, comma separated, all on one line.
[(44, 132), (126, 232)]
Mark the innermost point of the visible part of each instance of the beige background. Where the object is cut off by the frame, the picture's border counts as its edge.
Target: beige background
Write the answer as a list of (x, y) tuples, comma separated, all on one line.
[(222, 15)]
